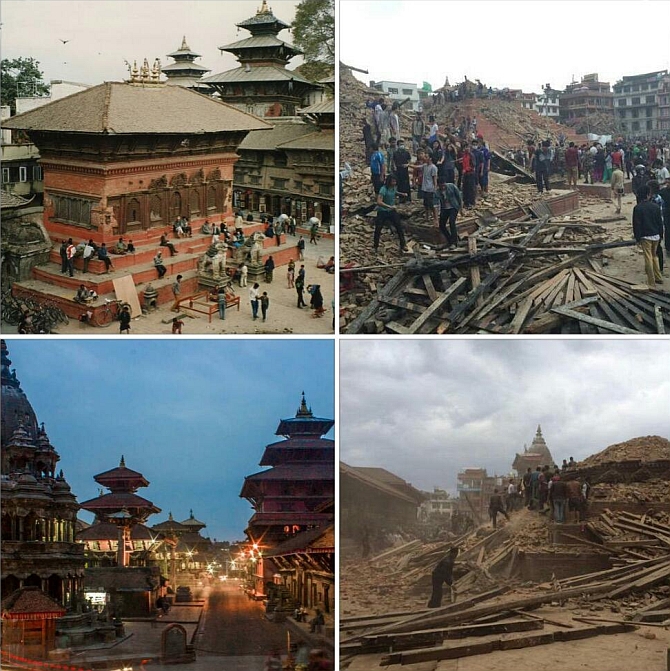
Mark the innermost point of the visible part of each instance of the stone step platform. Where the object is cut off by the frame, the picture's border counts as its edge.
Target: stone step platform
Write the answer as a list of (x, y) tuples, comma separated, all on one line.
[(59, 232), (63, 297), (147, 249), (142, 255), (102, 284)]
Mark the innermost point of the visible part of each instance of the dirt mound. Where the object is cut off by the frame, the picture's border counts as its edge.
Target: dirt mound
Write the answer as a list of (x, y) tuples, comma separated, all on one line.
[(644, 448)]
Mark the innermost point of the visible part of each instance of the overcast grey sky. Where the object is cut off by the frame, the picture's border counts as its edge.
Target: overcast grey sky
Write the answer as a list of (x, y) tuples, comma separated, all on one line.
[(519, 44), (102, 33), (425, 409)]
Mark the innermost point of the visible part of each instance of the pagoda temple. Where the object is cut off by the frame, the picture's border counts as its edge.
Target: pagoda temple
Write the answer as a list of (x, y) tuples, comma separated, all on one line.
[(297, 492), (262, 84), (39, 511), (121, 551), (537, 454), (121, 511), (127, 159), (185, 71)]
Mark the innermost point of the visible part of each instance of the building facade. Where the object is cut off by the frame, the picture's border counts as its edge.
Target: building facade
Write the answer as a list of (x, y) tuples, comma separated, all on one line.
[(39, 511), (581, 99), (296, 493), (641, 104), (399, 91)]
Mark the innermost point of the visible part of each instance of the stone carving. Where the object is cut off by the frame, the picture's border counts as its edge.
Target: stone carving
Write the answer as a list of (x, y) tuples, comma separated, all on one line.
[(214, 174), (158, 183), (198, 177), (213, 261), (178, 180), (173, 643)]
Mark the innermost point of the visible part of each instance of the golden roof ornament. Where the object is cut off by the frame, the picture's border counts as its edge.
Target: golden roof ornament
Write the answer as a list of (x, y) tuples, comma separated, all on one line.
[(264, 8), (145, 75)]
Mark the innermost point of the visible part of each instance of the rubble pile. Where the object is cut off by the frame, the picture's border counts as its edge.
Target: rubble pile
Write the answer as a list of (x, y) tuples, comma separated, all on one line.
[(600, 123), (517, 268), (628, 535), (521, 276), (652, 491), (643, 448)]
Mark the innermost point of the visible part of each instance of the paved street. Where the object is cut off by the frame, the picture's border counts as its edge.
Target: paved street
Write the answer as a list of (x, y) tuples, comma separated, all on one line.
[(233, 625)]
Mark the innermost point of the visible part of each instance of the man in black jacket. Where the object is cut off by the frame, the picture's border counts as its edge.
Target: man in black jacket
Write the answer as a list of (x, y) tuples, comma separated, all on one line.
[(647, 230), (442, 573)]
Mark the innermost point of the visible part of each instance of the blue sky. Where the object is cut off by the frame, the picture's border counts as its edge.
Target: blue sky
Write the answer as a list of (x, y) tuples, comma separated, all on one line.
[(193, 416)]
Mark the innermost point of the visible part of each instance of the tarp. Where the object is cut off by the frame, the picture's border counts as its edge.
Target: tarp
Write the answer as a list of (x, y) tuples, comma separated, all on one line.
[(603, 139), (127, 292)]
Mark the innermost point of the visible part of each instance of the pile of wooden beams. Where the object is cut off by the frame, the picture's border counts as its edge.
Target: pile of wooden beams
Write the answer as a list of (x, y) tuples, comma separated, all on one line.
[(514, 277), (424, 635), (632, 536)]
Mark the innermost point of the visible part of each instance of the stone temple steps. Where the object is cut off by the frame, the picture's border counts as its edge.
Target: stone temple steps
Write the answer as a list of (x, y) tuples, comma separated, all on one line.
[(48, 282)]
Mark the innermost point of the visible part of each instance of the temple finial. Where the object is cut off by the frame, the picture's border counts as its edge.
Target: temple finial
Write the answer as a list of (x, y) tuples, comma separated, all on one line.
[(123, 462)]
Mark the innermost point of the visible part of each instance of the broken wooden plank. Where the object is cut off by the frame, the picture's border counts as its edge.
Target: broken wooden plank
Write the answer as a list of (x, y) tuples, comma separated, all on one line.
[(658, 315), (615, 328), (512, 643), (434, 307)]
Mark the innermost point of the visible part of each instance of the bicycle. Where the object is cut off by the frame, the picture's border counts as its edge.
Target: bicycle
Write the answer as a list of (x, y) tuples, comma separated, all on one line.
[(109, 312)]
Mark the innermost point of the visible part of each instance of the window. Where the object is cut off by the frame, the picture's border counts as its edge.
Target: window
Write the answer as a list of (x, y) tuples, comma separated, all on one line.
[(278, 183), (622, 114), (635, 125), (392, 90), (280, 159), (325, 189), (636, 88), (37, 173), (297, 184), (650, 99), (254, 179), (626, 89), (645, 87), (635, 114), (72, 210), (649, 111), (622, 102), (23, 174), (5, 175), (649, 124), (407, 92), (636, 100)]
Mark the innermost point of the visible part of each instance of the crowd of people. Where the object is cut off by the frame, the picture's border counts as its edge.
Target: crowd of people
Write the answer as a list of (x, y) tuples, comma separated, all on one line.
[(450, 171), (551, 491)]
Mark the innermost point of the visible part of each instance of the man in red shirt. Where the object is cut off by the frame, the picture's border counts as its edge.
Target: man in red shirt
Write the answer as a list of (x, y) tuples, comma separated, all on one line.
[(617, 158), (572, 164)]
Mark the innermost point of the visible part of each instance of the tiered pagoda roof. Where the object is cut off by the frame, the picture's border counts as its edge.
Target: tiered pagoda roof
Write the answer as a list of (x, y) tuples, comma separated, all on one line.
[(123, 483), (185, 71), (289, 497), (263, 58)]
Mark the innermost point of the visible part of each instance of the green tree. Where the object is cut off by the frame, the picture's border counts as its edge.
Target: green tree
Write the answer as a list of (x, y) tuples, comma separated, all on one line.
[(314, 33), (21, 77)]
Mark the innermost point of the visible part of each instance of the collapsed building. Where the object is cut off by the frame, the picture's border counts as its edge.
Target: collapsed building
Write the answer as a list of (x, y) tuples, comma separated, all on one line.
[(524, 264), (530, 582)]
